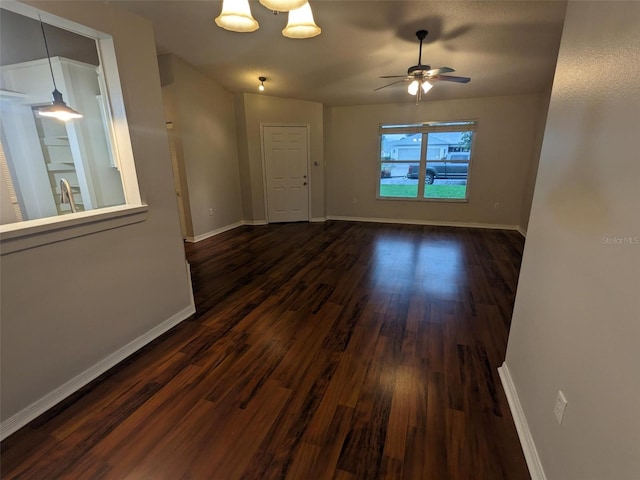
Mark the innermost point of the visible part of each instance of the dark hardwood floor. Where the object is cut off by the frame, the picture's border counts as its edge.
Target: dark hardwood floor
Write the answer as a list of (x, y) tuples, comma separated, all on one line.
[(318, 351)]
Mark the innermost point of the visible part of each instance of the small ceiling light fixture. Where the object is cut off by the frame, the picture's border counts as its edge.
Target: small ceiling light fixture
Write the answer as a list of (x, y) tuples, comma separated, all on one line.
[(236, 17), (282, 5), (261, 86), (301, 23), (58, 109)]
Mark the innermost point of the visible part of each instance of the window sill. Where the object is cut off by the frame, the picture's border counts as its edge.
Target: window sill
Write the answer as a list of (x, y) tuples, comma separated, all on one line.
[(19, 236), (413, 199)]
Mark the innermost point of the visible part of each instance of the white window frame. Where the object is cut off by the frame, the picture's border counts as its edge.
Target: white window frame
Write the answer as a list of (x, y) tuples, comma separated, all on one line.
[(31, 233), (424, 129)]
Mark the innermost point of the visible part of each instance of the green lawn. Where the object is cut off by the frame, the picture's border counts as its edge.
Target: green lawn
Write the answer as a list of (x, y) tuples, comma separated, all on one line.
[(430, 191)]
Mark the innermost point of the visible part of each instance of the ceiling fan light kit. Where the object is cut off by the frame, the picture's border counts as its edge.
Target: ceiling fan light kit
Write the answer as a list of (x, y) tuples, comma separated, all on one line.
[(236, 17), (413, 87), (421, 75)]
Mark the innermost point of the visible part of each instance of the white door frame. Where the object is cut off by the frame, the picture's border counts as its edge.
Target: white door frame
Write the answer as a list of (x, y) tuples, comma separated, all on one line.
[(177, 180), (264, 166)]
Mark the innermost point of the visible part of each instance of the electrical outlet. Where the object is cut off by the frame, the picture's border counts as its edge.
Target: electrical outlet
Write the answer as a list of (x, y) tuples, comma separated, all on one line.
[(496, 205), (211, 212), (355, 200), (561, 405)]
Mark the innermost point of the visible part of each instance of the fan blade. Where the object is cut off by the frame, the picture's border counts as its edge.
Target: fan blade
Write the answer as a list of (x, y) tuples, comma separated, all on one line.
[(438, 71), (389, 84), (451, 78), (393, 76)]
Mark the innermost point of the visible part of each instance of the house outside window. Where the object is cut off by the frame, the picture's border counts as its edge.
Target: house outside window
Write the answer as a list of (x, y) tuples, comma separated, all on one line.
[(429, 161)]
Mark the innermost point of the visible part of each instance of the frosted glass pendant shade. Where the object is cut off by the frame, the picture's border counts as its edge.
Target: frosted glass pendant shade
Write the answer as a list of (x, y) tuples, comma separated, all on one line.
[(301, 23), (282, 5), (236, 16), (426, 86), (413, 87)]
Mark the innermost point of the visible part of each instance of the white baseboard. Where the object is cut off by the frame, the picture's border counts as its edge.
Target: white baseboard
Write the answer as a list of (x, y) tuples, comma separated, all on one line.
[(254, 222), (51, 399), (526, 440), (212, 233), (495, 226), (425, 222)]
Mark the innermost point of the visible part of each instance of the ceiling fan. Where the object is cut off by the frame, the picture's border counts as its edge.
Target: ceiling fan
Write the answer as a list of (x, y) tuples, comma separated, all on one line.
[(421, 75)]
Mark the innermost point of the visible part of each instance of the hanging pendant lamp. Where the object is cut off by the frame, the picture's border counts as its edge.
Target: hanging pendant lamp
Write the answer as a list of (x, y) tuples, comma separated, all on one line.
[(282, 5), (236, 16), (301, 23), (58, 109)]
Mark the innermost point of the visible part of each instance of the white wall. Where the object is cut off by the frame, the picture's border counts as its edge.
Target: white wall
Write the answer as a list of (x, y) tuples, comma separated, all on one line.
[(66, 306), (203, 117), (503, 152), (255, 109), (576, 323)]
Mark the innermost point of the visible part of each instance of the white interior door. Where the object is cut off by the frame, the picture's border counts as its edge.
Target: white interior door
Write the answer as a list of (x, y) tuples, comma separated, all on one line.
[(286, 173)]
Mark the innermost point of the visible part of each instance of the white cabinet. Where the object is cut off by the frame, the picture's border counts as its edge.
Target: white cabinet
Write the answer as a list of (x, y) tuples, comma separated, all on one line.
[(40, 151)]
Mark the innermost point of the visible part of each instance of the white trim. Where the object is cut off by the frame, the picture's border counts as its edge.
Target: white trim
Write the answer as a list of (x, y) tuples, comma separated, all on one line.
[(51, 399), (15, 237), (255, 222), (213, 233), (526, 440), (406, 221), (226, 228), (522, 231)]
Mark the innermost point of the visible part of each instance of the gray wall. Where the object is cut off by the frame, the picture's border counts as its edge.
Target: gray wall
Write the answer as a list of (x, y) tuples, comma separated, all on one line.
[(503, 152), (21, 40), (576, 323), (66, 306), (256, 109), (203, 118), (530, 183)]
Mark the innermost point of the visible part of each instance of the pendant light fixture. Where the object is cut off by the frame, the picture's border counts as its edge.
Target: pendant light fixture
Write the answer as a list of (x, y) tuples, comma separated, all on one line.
[(58, 109), (261, 86), (301, 23), (282, 5), (236, 16)]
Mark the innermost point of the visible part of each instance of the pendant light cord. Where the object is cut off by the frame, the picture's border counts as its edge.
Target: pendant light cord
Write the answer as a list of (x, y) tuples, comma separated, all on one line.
[(46, 46)]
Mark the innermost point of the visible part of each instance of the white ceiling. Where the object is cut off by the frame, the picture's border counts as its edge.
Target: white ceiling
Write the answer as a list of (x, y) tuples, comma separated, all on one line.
[(505, 47)]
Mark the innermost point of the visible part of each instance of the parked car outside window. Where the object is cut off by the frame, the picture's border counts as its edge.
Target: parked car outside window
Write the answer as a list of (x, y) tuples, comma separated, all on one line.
[(452, 166)]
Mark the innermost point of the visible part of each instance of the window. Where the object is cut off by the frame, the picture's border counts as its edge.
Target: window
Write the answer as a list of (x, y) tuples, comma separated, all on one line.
[(54, 170), (429, 161)]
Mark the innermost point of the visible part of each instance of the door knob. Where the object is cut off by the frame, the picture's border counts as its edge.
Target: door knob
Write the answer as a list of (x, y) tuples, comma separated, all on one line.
[(304, 183)]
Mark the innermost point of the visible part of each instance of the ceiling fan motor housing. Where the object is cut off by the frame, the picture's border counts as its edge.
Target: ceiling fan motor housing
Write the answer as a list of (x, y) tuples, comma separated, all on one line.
[(418, 70)]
